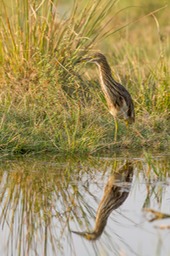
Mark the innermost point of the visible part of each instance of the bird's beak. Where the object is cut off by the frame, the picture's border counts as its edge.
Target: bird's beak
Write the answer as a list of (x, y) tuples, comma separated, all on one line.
[(78, 232), (86, 59), (86, 235), (83, 60)]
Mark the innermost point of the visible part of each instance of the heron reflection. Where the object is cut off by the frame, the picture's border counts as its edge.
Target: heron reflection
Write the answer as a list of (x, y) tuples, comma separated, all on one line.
[(115, 193)]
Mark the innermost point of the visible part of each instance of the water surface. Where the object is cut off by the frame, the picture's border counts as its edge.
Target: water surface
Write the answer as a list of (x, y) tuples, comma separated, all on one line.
[(96, 206)]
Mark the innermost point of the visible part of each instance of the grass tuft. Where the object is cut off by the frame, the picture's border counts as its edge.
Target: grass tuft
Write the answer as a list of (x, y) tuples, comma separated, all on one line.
[(47, 103)]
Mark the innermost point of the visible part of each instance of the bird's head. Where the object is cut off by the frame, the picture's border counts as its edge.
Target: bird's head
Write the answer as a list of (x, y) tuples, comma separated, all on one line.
[(93, 58)]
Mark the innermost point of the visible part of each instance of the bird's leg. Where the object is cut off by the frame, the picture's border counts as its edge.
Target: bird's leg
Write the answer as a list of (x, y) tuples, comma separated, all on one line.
[(127, 123), (116, 129)]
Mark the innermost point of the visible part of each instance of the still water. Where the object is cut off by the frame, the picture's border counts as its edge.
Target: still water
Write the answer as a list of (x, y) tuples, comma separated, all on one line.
[(93, 206)]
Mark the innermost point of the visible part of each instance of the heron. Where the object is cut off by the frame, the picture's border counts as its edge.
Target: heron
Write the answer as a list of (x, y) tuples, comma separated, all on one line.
[(119, 100)]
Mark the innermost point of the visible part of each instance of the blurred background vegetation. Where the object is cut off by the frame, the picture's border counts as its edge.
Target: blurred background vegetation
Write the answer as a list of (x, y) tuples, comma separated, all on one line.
[(47, 103)]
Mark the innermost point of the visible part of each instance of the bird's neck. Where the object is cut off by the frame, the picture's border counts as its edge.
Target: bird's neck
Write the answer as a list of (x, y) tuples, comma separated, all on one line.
[(105, 72)]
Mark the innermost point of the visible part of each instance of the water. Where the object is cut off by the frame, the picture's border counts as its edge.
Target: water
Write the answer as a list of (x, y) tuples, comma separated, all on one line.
[(101, 199)]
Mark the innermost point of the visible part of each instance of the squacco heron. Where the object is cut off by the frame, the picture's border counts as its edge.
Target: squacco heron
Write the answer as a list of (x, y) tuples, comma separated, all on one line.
[(118, 99)]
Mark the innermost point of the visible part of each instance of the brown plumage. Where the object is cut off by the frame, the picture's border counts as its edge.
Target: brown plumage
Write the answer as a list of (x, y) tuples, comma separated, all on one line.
[(114, 196), (118, 99)]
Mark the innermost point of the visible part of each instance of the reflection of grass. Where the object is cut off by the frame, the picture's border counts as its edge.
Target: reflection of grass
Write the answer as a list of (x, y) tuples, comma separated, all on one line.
[(47, 104), (34, 198), (41, 200), (155, 173)]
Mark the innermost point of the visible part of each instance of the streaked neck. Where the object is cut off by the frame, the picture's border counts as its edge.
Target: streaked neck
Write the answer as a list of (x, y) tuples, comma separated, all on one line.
[(104, 71)]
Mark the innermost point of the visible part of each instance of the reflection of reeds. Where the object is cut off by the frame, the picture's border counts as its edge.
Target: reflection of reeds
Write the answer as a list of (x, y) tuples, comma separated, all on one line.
[(115, 193), (38, 200), (155, 172), (41, 199)]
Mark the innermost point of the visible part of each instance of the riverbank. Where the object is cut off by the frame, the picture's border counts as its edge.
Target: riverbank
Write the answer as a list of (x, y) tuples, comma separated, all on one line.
[(47, 103)]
